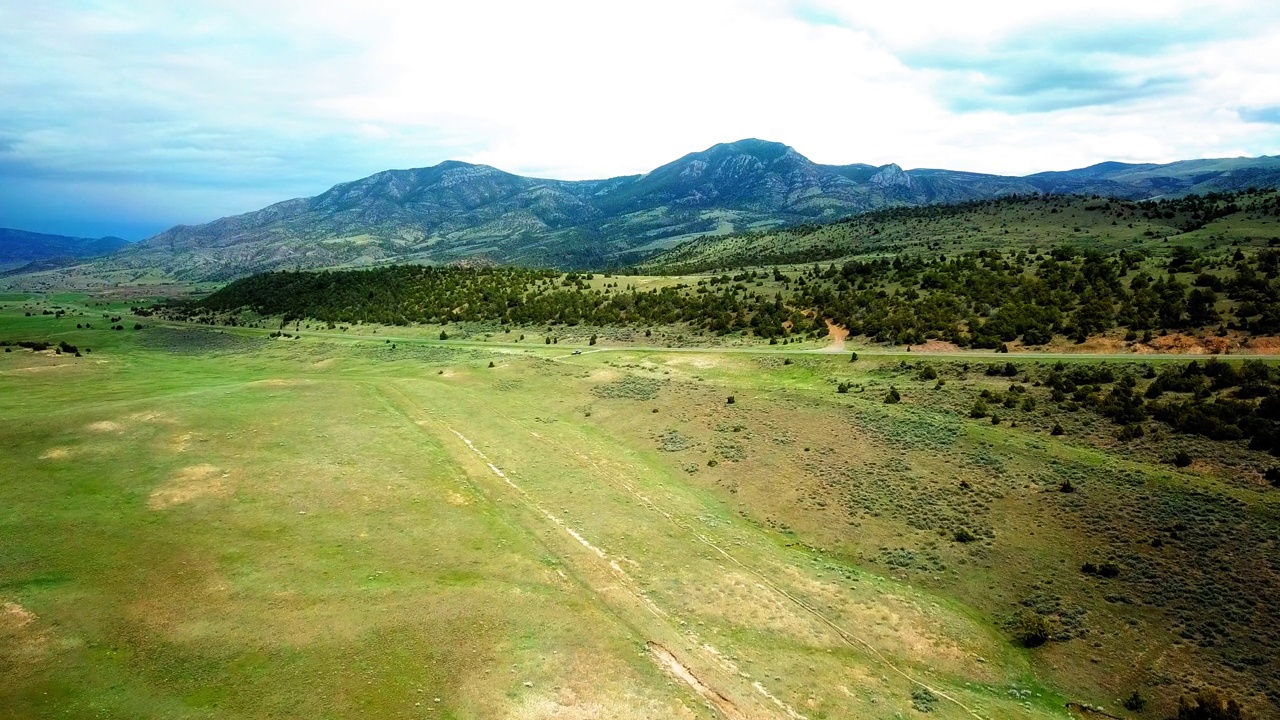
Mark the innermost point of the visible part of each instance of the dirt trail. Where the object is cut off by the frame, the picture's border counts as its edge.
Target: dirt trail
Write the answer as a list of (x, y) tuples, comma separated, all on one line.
[(619, 581), (847, 636), (668, 661), (838, 335)]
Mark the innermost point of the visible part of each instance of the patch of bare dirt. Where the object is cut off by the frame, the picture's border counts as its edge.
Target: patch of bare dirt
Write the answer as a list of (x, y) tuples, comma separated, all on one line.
[(14, 617), (35, 369), (179, 443), (672, 665), (838, 335), (1262, 345), (104, 426), (190, 483), (936, 346), (21, 641), (153, 417), (58, 453), (1180, 343), (566, 706)]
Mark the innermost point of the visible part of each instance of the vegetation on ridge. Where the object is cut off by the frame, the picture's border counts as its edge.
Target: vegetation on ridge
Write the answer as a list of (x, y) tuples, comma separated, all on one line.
[(982, 298)]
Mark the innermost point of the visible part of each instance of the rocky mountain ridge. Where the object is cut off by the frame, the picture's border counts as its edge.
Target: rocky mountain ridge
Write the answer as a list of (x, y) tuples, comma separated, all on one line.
[(456, 211)]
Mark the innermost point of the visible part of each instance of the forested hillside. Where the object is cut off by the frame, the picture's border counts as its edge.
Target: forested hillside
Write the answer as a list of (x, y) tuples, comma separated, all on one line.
[(1032, 222), (914, 283)]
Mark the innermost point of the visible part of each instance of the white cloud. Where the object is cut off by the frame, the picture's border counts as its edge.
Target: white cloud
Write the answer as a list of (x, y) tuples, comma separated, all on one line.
[(274, 98)]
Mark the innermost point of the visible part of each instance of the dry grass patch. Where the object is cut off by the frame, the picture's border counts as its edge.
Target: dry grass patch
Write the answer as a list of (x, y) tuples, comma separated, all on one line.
[(14, 617), (190, 483)]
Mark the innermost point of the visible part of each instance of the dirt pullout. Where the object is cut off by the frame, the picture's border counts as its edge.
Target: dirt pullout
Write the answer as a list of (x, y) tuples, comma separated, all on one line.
[(190, 483), (668, 661)]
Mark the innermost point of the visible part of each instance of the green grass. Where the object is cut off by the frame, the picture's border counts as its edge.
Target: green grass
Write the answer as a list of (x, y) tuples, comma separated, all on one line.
[(199, 523)]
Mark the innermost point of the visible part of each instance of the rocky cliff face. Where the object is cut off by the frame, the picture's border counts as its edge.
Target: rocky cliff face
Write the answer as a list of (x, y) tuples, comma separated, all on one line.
[(891, 176)]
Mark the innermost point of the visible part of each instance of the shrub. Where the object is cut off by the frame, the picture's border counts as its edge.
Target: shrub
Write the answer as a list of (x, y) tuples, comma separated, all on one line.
[(842, 388), (928, 373), (853, 357), (1066, 487), (1208, 704), (892, 397), (490, 363), (923, 700), (964, 536), (1131, 432), (1135, 702), (979, 409), (1106, 569), (1057, 430), (445, 336), (1031, 629), (1272, 475), (1182, 459), (729, 401)]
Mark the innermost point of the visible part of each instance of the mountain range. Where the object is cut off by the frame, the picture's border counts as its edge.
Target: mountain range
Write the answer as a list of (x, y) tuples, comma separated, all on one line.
[(23, 251), (456, 211)]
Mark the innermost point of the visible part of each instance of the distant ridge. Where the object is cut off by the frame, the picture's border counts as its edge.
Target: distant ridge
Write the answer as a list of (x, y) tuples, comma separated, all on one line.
[(21, 246), (457, 211)]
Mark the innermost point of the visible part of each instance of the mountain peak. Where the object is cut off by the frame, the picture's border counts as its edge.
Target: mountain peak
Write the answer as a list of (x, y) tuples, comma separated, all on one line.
[(459, 210), (764, 150), (891, 175)]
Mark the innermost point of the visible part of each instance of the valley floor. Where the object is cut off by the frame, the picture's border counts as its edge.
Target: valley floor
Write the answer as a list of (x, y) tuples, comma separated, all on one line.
[(201, 524)]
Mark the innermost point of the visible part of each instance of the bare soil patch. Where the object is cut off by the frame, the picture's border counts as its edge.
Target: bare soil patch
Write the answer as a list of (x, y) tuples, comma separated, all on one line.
[(838, 335), (672, 665), (190, 483), (936, 346), (14, 617)]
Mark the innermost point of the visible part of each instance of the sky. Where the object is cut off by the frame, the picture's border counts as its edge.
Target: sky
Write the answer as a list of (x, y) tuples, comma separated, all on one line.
[(125, 118)]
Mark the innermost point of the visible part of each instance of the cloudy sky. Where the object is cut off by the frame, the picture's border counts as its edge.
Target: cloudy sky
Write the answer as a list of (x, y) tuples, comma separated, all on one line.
[(125, 117)]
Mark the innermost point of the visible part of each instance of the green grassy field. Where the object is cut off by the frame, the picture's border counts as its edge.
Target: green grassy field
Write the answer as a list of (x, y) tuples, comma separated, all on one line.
[(203, 523)]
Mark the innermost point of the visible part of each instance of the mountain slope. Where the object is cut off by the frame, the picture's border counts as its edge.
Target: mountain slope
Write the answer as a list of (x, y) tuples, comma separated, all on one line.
[(23, 246), (456, 211)]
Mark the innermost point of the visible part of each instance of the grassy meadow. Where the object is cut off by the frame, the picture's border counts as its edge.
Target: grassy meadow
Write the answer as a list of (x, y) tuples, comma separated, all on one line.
[(214, 523)]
